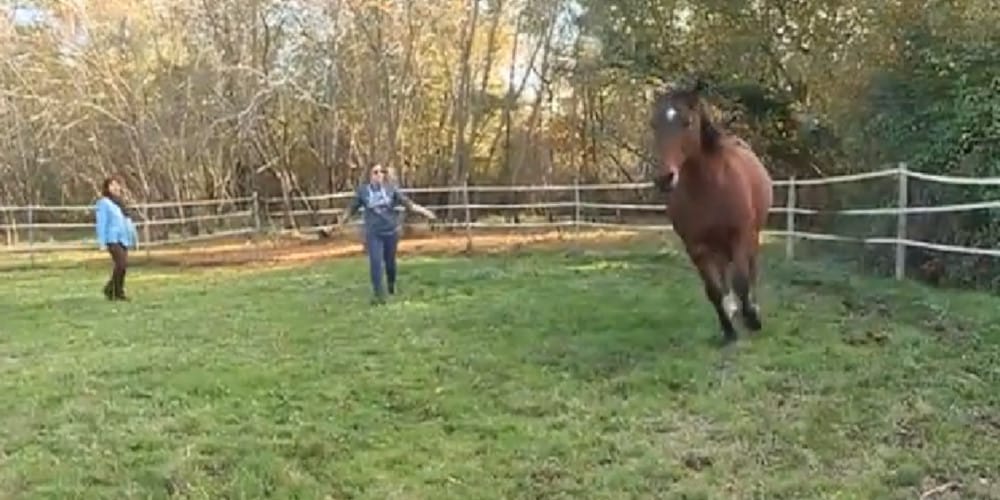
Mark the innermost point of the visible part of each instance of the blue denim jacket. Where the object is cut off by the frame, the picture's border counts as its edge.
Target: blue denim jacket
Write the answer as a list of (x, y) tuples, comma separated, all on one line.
[(379, 204), (113, 226)]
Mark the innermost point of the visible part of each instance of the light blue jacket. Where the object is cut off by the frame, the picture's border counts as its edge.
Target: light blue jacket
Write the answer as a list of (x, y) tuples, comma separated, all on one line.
[(113, 226)]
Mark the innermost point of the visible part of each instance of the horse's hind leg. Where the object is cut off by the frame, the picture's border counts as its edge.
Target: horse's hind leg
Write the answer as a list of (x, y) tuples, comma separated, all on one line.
[(729, 300), (744, 283), (712, 268)]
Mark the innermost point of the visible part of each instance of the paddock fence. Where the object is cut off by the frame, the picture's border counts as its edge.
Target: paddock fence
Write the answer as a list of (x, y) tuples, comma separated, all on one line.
[(34, 230)]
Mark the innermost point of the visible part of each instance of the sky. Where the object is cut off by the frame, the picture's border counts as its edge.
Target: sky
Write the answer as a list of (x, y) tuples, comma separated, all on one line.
[(22, 13)]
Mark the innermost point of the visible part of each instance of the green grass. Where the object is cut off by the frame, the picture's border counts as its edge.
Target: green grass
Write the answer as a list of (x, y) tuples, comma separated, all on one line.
[(529, 375)]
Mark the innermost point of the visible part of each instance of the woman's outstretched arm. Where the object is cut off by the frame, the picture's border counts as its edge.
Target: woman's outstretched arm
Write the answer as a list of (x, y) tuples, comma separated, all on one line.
[(352, 208), (402, 199)]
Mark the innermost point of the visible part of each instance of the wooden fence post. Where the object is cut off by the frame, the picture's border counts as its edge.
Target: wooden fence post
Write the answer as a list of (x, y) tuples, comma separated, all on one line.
[(576, 206), (468, 215), (256, 212), (901, 222), (146, 235), (31, 234), (790, 220)]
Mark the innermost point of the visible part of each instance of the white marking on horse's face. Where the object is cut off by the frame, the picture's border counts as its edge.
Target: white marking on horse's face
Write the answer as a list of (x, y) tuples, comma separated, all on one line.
[(670, 113), (730, 304)]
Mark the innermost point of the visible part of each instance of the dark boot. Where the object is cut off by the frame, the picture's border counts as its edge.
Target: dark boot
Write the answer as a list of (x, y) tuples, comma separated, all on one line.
[(119, 255), (119, 289)]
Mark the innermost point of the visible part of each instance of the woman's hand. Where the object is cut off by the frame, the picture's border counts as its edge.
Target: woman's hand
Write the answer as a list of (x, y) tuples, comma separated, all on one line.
[(330, 232)]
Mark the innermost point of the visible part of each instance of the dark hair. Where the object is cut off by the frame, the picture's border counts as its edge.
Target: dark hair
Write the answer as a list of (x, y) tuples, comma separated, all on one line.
[(106, 191)]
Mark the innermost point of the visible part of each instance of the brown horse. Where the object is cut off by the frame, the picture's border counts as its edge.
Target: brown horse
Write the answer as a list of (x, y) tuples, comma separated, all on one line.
[(719, 194)]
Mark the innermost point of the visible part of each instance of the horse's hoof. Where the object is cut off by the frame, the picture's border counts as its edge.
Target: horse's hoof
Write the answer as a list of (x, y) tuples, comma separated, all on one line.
[(751, 318), (728, 338)]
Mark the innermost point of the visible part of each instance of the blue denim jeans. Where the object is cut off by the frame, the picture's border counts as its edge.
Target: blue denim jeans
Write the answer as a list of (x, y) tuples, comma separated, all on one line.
[(382, 249)]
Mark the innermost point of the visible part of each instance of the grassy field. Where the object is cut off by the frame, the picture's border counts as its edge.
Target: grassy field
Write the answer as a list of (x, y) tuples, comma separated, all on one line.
[(533, 374)]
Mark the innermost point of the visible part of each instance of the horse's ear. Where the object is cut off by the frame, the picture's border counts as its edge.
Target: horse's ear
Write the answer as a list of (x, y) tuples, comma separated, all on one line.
[(699, 86), (656, 80), (651, 92), (695, 91)]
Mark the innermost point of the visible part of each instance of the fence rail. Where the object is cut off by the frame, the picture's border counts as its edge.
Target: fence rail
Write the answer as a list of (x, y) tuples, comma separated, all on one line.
[(249, 216)]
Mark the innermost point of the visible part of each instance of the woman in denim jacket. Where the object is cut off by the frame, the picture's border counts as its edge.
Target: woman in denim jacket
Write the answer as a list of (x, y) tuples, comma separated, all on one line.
[(116, 232), (379, 198)]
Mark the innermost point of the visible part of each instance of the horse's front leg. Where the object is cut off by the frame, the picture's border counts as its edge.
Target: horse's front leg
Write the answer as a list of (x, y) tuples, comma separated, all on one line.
[(712, 268)]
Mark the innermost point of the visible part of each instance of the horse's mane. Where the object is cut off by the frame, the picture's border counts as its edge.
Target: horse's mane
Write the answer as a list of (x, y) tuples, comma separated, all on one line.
[(711, 133)]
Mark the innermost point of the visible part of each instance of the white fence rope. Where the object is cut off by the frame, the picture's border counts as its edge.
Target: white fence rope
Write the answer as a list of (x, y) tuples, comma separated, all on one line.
[(248, 220), (837, 179)]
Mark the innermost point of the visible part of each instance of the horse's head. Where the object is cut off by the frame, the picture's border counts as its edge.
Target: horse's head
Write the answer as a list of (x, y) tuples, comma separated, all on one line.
[(682, 130)]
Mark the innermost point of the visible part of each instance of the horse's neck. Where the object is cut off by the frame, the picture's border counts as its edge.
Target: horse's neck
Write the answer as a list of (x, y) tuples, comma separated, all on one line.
[(705, 166), (735, 141)]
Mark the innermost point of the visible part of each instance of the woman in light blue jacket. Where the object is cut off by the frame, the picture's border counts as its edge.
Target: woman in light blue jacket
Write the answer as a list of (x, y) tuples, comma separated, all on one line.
[(116, 232)]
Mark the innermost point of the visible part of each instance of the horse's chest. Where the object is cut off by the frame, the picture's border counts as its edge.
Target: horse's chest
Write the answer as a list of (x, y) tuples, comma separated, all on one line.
[(695, 219)]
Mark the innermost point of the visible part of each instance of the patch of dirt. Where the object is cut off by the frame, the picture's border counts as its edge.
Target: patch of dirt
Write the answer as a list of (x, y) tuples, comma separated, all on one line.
[(988, 421), (307, 250), (697, 461), (868, 336)]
